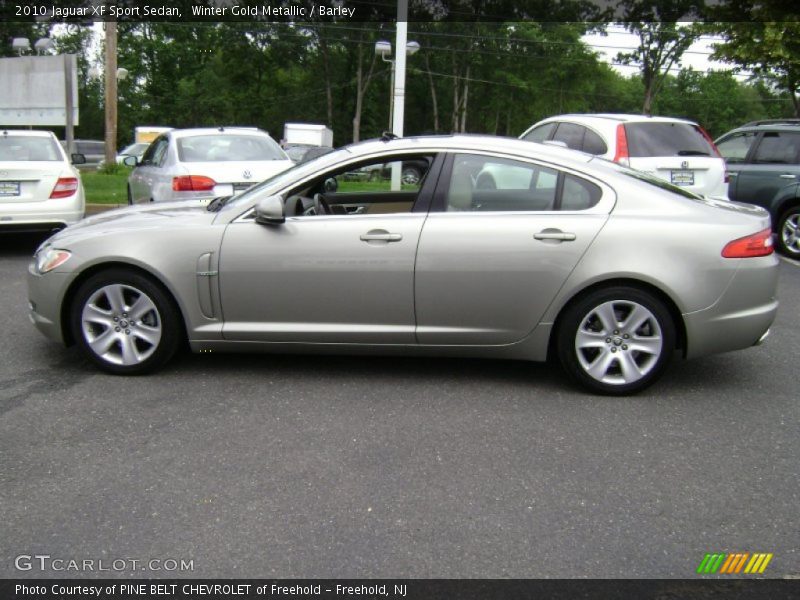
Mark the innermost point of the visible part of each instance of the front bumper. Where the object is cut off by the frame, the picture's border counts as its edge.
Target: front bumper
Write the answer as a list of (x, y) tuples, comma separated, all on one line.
[(45, 296)]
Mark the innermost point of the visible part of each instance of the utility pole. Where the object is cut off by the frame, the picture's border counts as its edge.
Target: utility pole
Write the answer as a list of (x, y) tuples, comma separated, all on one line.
[(399, 83), (111, 92)]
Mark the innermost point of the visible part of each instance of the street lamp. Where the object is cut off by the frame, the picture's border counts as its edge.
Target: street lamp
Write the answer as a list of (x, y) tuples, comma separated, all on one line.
[(384, 49)]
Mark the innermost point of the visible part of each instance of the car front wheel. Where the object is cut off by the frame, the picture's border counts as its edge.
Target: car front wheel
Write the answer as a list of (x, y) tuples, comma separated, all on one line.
[(789, 233), (616, 340), (125, 323)]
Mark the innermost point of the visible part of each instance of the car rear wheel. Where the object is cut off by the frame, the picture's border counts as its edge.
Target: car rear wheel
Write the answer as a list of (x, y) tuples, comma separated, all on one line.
[(616, 340), (789, 233), (125, 323)]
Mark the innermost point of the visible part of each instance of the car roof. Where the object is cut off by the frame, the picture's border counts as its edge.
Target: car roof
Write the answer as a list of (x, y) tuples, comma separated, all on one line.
[(26, 132), (180, 133), (472, 143), (620, 118), (773, 124)]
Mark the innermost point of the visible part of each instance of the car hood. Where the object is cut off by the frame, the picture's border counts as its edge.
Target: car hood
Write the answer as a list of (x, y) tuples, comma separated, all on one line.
[(150, 216)]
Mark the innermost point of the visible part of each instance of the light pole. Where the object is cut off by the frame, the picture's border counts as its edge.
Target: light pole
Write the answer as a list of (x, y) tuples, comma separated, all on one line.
[(384, 49)]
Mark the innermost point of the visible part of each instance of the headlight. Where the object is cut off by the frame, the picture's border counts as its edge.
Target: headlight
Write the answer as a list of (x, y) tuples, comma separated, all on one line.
[(50, 258)]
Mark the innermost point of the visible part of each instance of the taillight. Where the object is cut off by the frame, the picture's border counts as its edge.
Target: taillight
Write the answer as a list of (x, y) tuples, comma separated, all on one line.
[(710, 142), (65, 186), (192, 183), (622, 155), (758, 244)]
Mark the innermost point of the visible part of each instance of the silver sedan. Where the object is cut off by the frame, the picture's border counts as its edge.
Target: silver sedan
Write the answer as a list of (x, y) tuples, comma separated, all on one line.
[(502, 248)]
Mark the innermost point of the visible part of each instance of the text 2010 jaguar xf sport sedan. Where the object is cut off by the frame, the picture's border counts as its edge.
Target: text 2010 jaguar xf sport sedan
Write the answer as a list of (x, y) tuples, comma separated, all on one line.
[(503, 248)]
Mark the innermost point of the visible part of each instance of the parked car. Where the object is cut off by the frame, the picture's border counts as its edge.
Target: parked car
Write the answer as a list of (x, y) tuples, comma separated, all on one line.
[(202, 164), (588, 270), (93, 151), (676, 150), (763, 160), (40, 189)]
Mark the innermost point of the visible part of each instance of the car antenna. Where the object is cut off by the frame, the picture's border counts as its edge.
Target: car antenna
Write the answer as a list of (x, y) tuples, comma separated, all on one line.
[(387, 136)]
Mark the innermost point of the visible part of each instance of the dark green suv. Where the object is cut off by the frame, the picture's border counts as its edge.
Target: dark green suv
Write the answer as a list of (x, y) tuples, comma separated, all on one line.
[(763, 160)]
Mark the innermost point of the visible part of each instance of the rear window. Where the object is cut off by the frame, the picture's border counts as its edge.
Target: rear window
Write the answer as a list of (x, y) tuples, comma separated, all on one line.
[(21, 149), (228, 148), (666, 139)]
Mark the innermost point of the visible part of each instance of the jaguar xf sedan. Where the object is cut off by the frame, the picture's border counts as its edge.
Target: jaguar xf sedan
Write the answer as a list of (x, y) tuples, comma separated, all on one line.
[(502, 249)]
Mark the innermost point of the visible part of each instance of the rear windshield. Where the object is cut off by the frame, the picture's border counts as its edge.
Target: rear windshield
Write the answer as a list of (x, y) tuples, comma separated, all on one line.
[(666, 139), (26, 148), (228, 147)]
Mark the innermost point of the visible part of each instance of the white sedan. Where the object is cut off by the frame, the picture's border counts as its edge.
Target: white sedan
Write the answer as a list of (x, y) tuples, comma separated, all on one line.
[(40, 189), (202, 164)]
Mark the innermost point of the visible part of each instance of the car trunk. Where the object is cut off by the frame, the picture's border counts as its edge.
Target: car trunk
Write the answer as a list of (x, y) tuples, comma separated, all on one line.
[(232, 178), (33, 182)]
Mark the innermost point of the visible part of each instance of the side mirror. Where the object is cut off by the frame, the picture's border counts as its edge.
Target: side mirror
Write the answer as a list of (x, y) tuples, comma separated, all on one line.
[(130, 161), (269, 211), (330, 185), (78, 159)]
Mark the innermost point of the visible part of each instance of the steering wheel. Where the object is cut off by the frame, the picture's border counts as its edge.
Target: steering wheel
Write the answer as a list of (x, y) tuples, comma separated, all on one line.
[(318, 207)]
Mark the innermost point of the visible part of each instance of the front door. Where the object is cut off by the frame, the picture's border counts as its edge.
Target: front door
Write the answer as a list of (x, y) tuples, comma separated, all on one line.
[(339, 270)]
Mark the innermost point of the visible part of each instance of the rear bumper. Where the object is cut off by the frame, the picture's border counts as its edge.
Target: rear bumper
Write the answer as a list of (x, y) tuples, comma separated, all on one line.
[(38, 220), (743, 314)]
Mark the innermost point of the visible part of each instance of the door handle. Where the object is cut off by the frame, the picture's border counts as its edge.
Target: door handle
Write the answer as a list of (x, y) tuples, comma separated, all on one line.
[(788, 176), (554, 234), (379, 235)]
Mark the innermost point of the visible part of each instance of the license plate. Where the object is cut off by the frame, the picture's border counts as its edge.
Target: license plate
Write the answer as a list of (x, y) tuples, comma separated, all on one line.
[(682, 177), (9, 188)]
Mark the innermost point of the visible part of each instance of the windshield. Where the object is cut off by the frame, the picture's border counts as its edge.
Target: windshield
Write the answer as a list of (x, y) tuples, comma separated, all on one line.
[(15, 148), (226, 147), (135, 149), (666, 139), (287, 177)]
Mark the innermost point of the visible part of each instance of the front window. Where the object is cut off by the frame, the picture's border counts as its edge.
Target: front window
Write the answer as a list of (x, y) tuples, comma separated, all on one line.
[(734, 149), (228, 148), (28, 148), (368, 187)]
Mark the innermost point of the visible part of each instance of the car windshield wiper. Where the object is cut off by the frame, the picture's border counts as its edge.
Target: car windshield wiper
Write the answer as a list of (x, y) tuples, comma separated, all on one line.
[(217, 203), (692, 153)]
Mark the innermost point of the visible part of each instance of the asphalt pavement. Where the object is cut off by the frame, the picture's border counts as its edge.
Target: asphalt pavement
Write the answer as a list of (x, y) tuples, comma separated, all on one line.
[(316, 466)]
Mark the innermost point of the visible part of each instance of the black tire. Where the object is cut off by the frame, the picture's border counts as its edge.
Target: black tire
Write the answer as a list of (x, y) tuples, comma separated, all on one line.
[(788, 234), (616, 360), (122, 333), (130, 197)]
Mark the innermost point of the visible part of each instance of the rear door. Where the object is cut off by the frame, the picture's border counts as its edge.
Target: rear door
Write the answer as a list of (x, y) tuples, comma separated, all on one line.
[(773, 165), (502, 237), (677, 152)]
